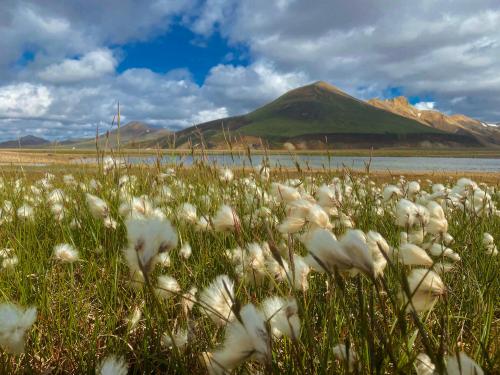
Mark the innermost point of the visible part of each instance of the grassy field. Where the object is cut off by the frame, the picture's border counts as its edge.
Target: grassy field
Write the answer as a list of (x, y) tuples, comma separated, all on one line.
[(309, 286)]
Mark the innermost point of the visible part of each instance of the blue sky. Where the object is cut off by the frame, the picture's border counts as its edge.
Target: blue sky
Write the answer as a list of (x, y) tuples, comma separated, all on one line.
[(174, 63), (180, 48)]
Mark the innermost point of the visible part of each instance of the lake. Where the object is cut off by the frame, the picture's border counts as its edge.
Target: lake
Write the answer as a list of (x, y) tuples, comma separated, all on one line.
[(379, 163)]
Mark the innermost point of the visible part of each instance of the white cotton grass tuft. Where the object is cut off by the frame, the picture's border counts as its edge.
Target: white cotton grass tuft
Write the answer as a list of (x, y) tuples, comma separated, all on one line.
[(167, 287), (379, 249), (112, 365), (391, 192), (180, 339), (14, 322), (226, 175), (412, 255), (292, 224), (462, 364), (424, 365), (425, 287), (345, 355), (282, 315), (146, 239), (185, 250), (187, 213), (133, 319), (98, 207), (66, 253), (226, 219), (246, 338), (26, 212), (489, 244), (325, 252), (216, 300)]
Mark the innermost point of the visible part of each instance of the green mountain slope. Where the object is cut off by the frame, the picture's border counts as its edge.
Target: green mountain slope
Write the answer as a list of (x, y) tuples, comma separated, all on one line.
[(317, 114)]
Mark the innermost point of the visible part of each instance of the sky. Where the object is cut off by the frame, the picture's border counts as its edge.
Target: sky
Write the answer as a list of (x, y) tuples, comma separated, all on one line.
[(64, 65)]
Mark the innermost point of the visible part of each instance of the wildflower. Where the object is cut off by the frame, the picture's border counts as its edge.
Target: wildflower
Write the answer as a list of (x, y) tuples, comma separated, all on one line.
[(226, 175), (325, 252), (10, 263), (66, 253), (180, 339), (284, 193), (437, 223), (14, 322), (97, 206), (292, 224), (146, 239), (58, 211), (412, 255), (378, 247), (188, 300), (69, 180), (187, 212), (425, 288), (112, 365), (354, 244), (438, 250), (405, 213), (489, 244), (134, 318), (167, 287), (424, 365), (185, 250), (412, 189), (217, 300), (26, 212), (391, 192), (462, 365), (283, 317), (350, 357), (329, 197), (246, 338), (203, 224), (226, 219)]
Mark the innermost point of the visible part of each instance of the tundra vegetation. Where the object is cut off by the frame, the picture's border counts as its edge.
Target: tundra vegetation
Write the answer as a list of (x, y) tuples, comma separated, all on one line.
[(206, 269)]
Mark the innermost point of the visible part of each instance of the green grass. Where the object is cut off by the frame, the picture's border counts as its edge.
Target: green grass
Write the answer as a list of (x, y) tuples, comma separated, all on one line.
[(82, 307)]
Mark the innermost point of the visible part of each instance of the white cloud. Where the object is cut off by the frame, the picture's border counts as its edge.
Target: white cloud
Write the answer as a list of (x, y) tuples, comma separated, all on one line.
[(209, 115), (90, 66), (425, 106), (243, 88), (24, 100)]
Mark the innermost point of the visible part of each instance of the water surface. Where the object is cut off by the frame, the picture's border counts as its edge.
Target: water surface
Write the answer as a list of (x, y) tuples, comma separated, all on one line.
[(379, 163)]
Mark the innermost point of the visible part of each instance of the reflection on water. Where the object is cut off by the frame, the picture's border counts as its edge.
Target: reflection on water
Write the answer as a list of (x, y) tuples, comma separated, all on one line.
[(322, 161)]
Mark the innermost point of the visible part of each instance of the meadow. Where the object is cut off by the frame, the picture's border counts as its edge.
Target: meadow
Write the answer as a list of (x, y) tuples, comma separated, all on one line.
[(117, 269)]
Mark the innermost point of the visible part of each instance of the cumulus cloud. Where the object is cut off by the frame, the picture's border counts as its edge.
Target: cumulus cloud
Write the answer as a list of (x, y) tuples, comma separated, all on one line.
[(90, 66), (24, 100), (244, 88)]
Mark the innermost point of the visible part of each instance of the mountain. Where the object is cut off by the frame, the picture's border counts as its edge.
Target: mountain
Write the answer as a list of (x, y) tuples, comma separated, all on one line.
[(26, 141), (131, 135), (487, 134), (317, 115)]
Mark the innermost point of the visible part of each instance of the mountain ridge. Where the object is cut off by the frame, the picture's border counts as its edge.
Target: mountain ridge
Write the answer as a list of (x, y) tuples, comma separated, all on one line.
[(320, 115)]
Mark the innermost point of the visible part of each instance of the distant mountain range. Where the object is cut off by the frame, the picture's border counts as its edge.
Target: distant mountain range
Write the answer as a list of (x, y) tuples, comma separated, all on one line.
[(26, 141), (129, 136), (315, 116)]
